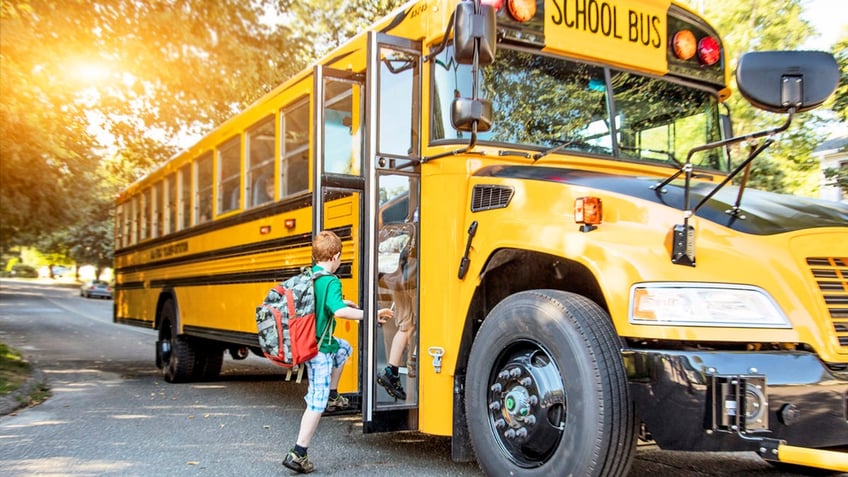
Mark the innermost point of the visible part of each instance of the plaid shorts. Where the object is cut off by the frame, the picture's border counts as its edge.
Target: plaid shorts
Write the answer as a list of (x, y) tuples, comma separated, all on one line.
[(319, 370)]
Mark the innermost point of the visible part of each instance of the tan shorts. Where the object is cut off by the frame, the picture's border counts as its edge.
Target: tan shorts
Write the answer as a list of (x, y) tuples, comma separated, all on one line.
[(405, 321)]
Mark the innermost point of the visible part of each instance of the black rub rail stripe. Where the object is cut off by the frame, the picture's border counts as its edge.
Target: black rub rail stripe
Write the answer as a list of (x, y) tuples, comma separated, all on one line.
[(261, 276), (302, 240), (237, 337)]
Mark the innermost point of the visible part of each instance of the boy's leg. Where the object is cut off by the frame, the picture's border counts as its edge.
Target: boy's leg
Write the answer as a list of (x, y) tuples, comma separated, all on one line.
[(319, 377), (339, 360), (398, 345), (308, 426)]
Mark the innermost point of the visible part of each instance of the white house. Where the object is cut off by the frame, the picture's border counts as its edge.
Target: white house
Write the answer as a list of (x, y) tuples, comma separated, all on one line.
[(833, 153)]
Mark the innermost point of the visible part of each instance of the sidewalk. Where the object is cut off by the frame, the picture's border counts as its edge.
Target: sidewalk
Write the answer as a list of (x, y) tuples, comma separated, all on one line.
[(19, 398)]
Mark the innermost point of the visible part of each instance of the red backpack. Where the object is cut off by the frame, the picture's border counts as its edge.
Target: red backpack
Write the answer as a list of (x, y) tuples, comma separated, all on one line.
[(285, 321)]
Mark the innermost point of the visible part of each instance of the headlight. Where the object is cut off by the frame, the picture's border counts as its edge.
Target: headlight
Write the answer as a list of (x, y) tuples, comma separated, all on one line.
[(704, 304)]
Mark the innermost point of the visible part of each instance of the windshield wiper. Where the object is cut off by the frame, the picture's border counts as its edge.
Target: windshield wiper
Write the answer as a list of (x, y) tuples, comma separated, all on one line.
[(558, 148)]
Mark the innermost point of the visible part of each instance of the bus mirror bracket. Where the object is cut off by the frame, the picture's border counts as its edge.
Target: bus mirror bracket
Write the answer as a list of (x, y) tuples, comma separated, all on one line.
[(785, 82)]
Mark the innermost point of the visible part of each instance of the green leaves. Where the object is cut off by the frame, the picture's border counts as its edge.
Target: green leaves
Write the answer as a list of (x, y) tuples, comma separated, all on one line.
[(750, 25)]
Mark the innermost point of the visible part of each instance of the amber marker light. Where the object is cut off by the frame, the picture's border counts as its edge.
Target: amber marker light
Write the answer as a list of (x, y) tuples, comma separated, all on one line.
[(265, 230), (587, 212), (642, 305), (290, 223), (521, 10), (709, 50), (683, 44)]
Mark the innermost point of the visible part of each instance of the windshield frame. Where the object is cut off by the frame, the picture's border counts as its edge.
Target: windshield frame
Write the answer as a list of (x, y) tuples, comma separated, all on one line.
[(591, 107)]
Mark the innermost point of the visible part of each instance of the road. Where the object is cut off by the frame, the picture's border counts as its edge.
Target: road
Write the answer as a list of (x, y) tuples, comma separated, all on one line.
[(111, 414)]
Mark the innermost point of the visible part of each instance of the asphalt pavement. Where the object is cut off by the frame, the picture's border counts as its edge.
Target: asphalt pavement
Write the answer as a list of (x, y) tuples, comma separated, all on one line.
[(111, 414)]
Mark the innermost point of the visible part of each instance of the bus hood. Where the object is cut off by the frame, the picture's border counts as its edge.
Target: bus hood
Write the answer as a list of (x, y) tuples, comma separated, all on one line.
[(764, 213)]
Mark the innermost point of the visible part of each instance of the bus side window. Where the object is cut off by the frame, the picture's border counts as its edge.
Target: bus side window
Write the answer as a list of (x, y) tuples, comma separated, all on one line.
[(134, 218), (342, 130), (170, 209), (260, 163), (229, 175), (185, 197), (203, 193), (146, 205), (294, 155)]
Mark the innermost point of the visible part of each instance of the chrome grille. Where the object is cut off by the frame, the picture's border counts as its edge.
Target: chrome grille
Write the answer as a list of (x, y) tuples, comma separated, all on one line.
[(831, 274), (486, 197)]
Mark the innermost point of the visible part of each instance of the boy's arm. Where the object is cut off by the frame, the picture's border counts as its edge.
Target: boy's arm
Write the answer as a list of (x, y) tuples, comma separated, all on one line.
[(341, 308)]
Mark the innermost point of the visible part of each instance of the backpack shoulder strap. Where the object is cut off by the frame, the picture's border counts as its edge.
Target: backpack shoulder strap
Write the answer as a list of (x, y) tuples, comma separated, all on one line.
[(315, 276)]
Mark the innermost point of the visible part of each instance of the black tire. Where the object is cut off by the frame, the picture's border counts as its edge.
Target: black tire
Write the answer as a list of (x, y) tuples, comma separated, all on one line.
[(208, 360), (546, 392), (175, 354)]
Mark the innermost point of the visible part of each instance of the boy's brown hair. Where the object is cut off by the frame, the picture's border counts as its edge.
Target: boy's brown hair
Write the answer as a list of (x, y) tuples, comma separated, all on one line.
[(325, 246)]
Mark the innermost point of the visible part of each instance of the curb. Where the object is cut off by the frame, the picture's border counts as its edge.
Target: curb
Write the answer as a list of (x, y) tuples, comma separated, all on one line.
[(20, 397)]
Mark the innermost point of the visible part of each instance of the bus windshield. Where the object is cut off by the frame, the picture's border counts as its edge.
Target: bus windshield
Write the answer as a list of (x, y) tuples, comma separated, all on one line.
[(544, 102)]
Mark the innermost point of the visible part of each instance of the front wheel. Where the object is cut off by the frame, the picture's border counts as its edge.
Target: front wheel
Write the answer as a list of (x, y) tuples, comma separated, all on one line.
[(546, 390)]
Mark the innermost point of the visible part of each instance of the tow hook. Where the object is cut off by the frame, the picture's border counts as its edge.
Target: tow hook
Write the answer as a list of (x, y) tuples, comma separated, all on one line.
[(436, 352)]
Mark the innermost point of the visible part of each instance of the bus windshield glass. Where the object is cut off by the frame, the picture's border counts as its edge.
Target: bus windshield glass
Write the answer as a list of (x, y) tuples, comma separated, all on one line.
[(547, 103)]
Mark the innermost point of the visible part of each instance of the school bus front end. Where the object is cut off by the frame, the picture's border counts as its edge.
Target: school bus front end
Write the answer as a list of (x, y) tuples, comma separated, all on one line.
[(743, 351), (605, 279)]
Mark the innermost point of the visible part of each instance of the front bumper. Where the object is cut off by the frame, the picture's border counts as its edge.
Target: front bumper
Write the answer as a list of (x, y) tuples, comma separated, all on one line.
[(681, 396)]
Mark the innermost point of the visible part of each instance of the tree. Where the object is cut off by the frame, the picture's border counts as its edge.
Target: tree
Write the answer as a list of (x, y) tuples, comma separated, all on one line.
[(82, 79), (331, 22), (840, 103), (751, 25), (839, 175)]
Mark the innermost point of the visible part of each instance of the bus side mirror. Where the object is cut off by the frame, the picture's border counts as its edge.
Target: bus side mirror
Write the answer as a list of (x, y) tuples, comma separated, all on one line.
[(465, 111), (471, 26), (778, 81)]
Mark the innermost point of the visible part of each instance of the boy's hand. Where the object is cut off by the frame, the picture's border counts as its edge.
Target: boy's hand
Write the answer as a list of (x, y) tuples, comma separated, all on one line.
[(384, 315), (351, 304)]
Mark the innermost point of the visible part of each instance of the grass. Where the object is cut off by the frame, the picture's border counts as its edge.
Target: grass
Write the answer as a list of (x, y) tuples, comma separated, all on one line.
[(14, 371)]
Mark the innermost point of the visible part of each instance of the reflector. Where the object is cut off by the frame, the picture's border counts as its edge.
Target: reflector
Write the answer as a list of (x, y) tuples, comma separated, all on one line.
[(708, 50), (496, 4)]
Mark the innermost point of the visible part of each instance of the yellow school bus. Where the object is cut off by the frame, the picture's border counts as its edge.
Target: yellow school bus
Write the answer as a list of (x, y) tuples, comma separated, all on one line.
[(553, 192)]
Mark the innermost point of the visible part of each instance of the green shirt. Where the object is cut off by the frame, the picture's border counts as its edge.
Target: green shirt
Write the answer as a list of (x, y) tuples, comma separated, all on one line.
[(328, 300)]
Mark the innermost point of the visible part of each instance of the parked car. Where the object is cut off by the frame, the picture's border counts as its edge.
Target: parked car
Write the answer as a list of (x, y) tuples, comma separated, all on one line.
[(23, 271), (96, 289), (59, 271)]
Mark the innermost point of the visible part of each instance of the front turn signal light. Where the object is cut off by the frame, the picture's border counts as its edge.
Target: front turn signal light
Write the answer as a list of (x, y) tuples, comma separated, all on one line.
[(588, 212)]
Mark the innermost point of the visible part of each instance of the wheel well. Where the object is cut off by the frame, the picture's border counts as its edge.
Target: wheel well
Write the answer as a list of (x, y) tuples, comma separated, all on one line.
[(164, 296), (509, 271)]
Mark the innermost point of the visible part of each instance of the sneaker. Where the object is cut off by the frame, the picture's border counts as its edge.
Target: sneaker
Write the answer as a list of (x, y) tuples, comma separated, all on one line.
[(297, 463), (412, 366), (392, 385), (340, 403)]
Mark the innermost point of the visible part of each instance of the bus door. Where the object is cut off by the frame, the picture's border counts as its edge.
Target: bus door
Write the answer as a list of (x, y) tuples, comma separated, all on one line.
[(391, 218), (338, 185)]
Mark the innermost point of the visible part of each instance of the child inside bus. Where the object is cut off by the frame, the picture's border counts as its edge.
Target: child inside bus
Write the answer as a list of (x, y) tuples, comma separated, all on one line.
[(398, 272), (325, 369)]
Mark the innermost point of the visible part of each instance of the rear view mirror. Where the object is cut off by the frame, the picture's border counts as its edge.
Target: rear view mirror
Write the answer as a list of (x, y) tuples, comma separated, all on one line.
[(470, 27), (465, 112), (778, 81)]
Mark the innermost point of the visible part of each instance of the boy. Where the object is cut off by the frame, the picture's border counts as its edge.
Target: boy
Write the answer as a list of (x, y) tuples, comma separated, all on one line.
[(325, 369)]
